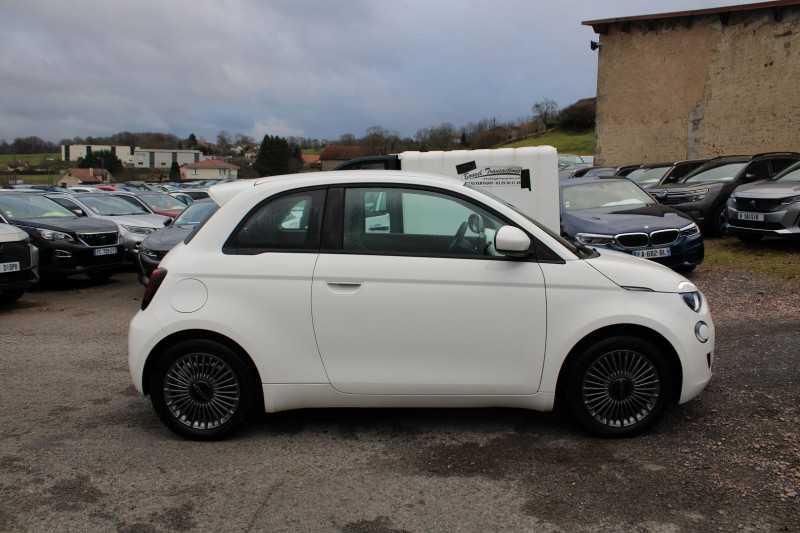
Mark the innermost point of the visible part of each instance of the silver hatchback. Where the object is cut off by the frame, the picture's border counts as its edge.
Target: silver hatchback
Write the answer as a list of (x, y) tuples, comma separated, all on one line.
[(769, 207)]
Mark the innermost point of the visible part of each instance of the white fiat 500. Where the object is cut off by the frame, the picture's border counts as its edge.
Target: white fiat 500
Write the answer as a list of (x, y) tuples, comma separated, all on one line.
[(394, 289)]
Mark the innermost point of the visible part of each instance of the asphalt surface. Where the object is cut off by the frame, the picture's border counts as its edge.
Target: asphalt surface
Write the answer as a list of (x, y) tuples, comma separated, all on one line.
[(80, 450)]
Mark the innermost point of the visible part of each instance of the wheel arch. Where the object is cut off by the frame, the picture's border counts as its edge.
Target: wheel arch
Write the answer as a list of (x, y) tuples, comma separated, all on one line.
[(628, 330), (195, 335)]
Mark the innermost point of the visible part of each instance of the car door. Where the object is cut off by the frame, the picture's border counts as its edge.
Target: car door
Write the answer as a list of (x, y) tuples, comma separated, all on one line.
[(418, 302)]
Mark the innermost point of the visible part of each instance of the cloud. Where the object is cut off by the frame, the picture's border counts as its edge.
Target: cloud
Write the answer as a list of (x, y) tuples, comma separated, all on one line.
[(308, 68)]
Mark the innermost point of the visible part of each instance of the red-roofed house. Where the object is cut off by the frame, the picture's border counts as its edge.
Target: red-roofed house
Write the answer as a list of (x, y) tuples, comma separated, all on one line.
[(210, 169), (85, 176), (311, 162), (333, 155)]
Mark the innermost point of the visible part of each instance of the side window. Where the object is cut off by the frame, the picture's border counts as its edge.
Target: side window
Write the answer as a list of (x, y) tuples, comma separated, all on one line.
[(758, 170), (287, 223), (780, 164), (416, 222)]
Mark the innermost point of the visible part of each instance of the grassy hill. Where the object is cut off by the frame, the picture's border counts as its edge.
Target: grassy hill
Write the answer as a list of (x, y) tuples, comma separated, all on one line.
[(581, 143)]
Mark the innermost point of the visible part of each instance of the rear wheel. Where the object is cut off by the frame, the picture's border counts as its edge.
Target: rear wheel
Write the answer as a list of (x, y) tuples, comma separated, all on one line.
[(202, 390), (619, 387)]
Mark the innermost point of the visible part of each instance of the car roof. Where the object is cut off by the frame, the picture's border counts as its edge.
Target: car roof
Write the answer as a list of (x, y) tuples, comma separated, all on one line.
[(594, 179), (223, 192)]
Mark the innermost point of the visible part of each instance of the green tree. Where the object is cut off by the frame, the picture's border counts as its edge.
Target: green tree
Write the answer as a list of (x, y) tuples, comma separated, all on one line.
[(276, 157), (175, 172), (101, 159)]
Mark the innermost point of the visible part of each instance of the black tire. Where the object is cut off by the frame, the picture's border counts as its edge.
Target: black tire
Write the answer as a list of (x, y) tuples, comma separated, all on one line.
[(718, 220), (202, 390), (749, 237), (7, 297), (619, 386), (100, 275)]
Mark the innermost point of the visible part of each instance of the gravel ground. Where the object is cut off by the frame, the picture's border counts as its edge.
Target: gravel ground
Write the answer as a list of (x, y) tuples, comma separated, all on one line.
[(80, 450)]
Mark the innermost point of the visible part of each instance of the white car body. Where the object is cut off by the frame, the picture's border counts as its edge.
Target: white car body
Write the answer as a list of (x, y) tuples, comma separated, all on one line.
[(379, 330)]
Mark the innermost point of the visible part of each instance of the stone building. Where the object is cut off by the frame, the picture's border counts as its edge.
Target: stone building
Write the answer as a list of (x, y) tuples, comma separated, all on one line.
[(698, 84)]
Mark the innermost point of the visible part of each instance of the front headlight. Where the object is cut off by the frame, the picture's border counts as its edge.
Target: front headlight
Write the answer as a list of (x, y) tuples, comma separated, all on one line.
[(790, 200), (693, 299), (51, 235), (594, 239), (690, 230), (138, 229), (696, 196)]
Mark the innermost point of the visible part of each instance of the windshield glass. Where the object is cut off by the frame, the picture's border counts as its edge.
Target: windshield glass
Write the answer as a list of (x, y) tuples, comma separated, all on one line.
[(724, 172), (110, 205), (31, 206), (564, 242), (162, 202), (645, 176), (601, 194), (195, 214), (791, 173)]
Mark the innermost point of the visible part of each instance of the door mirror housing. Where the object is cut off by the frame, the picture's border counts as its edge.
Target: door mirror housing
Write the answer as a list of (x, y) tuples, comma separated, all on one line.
[(512, 242)]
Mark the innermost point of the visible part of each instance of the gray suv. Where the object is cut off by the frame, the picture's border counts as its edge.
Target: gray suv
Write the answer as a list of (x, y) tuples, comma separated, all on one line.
[(770, 207), (703, 194)]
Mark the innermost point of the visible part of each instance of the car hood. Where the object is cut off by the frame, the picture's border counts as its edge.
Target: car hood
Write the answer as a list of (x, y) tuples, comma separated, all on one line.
[(82, 225), (146, 221), (165, 239), (616, 220), (769, 189), (632, 272), (9, 233)]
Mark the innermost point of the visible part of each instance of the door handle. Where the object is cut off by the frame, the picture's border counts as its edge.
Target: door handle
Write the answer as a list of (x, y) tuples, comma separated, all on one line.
[(343, 287)]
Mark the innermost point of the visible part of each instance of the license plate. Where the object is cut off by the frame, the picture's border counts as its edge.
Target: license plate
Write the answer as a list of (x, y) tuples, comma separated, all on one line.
[(9, 267), (751, 216), (652, 252), (106, 251)]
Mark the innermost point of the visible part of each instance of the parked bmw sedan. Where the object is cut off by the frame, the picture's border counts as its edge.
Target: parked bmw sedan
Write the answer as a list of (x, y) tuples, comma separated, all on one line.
[(617, 214), (157, 244), (19, 263), (399, 289), (770, 207), (133, 222), (68, 244)]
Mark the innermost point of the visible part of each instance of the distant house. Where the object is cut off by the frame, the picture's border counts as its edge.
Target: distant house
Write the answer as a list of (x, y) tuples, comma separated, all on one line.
[(84, 176), (210, 169), (333, 155), (15, 165), (311, 162)]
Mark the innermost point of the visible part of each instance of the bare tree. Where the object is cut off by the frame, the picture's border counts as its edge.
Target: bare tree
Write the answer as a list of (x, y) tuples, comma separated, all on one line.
[(546, 111)]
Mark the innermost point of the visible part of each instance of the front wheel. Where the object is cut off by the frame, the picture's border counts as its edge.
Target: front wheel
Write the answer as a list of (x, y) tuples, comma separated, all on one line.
[(202, 390), (619, 387)]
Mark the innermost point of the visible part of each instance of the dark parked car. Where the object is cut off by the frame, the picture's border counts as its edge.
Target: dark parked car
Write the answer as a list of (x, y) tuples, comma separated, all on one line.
[(19, 263), (68, 244), (593, 172), (769, 207), (703, 194), (156, 245), (654, 174), (617, 214)]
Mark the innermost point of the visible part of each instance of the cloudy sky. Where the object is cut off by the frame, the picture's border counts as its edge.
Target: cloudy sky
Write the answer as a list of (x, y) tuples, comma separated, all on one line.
[(310, 68)]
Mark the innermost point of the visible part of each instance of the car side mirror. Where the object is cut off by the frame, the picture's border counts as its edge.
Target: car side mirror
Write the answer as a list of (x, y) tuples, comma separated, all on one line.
[(78, 211), (751, 177), (512, 242), (168, 222)]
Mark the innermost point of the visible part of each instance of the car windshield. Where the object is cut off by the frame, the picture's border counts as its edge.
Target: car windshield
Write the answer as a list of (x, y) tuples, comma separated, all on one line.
[(644, 176), (110, 205), (162, 202), (565, 160), (724, 172), (791, 173), (31, 206), (600, 194), (195, 214)]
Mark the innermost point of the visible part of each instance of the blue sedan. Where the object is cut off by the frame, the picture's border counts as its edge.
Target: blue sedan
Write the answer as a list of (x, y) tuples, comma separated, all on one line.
[(617, 214)]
